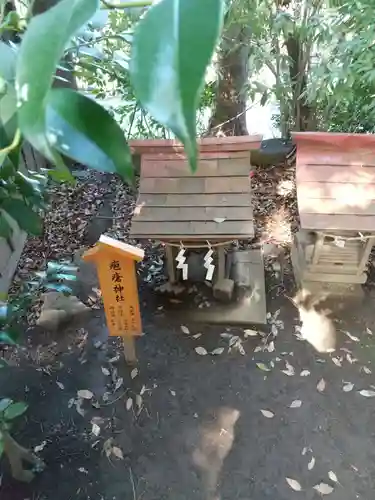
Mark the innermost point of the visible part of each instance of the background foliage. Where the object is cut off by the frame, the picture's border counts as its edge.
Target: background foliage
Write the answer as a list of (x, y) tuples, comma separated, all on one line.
[(110, 74)]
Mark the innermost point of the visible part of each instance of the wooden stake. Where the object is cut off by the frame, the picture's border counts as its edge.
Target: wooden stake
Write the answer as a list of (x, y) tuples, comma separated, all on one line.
[(129, 350)]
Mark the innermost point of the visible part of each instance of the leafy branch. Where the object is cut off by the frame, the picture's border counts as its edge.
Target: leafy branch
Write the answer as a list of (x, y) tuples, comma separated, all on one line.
[(16, 454)]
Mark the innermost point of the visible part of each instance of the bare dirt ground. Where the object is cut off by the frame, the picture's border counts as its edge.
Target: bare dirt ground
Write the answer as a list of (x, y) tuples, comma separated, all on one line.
[(199, 426), (265, 417)]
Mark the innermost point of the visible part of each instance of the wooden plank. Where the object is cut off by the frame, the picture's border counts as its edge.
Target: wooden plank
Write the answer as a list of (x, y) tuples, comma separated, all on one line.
[(332, 222), (335, 173), (336, 253), (335, 157), (233, 143), (345, 192), (208, 155), (195, 185), (129, 350), (161, 214), (192, 230), (206, 168), (334, 275), (178, 168), (332, 206), (195, 200), (229, 166)]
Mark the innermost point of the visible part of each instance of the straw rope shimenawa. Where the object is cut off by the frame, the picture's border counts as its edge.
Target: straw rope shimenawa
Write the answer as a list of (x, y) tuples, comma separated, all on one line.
[(205, 245)]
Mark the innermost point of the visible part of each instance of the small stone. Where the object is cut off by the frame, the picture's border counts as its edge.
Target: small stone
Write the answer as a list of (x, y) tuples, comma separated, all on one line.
[(58, 309), (223, 290)]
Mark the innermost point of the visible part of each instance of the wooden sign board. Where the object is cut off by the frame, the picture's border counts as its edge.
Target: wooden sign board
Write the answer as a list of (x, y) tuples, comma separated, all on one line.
[(115, 263)]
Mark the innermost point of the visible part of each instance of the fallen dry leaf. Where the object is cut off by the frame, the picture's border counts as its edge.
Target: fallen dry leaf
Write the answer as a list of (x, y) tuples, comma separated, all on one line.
[(217, 351), (336, 361), (304, 451), (271, 346), (134, 373), (226, 335), (350, 358), (263, 367), (40, 447), (85, 394), (294, 484), (311, 464), (323, 488), (117, 452), (138, 400), (172, 392), (78, 405), (95, 429), (333, 476), (197, 335), (250, 333), (107, 447), (105, 371), (304, 373), (348, 387), (367, 393), (297, 403), (119, 383), (352, 337), (321, 385), (289, 369), (267, 413), (201, 351), (60, 385), (368, 331), (185, 330), (129, 403), (367, 370)]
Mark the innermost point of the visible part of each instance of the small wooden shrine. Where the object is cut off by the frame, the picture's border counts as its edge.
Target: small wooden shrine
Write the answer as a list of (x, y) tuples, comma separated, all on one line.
[(335, 176), (207, 209)]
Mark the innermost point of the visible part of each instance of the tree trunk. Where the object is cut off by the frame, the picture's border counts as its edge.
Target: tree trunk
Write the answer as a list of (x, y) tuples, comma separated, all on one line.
[(304, 114), (229, 116)]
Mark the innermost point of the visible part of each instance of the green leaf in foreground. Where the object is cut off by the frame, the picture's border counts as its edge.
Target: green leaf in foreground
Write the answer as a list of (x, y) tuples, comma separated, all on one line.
[(6, 230), (172, 47), (25, 217), (15, 410), (41, 49), (86, 132), (4, 403), (7, 338), (7, 62)]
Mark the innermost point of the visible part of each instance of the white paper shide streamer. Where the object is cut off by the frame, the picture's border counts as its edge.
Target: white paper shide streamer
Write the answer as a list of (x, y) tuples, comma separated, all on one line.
[(181, 263), (208, 264)]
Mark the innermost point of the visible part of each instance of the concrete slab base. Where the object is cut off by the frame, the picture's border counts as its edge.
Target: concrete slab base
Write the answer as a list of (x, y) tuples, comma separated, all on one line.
[(248, 273), (342, 290)]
